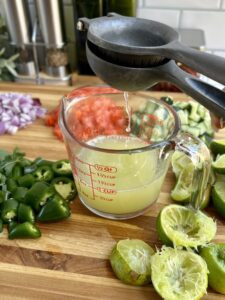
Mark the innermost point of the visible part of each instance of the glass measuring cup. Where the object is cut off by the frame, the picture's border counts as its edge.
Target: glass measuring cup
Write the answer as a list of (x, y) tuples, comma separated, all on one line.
[(119, 174)]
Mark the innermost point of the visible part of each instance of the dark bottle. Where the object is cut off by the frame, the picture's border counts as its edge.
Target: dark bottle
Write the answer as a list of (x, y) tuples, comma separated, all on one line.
[(122, 7), (89, 9)]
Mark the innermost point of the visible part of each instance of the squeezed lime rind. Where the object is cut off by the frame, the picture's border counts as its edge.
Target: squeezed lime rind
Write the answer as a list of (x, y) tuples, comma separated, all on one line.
[(182, 226), (132, 267), (179, 274)]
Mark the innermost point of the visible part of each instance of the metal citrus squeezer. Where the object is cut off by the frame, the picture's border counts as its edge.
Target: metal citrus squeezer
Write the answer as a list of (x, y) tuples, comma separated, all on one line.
[(133, 54)]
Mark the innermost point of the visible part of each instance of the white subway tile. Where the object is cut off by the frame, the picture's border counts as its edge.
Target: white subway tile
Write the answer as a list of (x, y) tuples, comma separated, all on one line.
[(213, 24), (220, 53), (140, 3), (223, 4), (206, 4), (168, 16)]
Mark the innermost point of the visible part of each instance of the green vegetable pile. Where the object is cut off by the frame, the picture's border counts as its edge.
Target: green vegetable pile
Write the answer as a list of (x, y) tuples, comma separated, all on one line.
[(30, 191), (153, 122), (195, 118)]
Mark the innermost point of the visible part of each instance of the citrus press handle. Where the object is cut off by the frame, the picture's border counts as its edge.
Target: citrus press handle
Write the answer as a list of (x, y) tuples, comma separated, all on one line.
[(207, 95), (201, 159), (210, 65)]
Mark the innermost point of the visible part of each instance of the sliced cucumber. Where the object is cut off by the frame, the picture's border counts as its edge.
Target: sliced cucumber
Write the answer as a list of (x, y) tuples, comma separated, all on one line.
[(194, 112), (161, 113), (150, 108), (192, 130), (202, 127), (182, 105), (183, 115), (202, 111), (192, 123)]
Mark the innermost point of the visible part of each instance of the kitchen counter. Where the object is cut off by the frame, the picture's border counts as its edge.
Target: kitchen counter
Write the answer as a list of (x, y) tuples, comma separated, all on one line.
[(70, 260)]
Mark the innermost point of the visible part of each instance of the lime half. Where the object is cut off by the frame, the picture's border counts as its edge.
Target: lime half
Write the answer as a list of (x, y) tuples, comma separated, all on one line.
[(218, 196), (179, 274), (218, 146), (219, 164), (214, 256), (131, 261), (183, 189), (206, 197), (182, 226)]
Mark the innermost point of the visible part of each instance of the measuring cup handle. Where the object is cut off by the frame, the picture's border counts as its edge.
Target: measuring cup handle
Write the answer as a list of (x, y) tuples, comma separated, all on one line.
[(209, 96), (201, 159)]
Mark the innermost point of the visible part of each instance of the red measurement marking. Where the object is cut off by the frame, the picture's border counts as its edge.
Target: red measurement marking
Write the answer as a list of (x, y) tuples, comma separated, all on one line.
[(82, 172), (107, 169), (83, 182), (81, 161), (92, 184), (106, 176), (104, 198), (105, 182), (105, 190), (83, 193)]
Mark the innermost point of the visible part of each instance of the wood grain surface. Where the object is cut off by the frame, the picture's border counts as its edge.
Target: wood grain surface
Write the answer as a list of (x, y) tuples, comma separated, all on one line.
[(70, 260)]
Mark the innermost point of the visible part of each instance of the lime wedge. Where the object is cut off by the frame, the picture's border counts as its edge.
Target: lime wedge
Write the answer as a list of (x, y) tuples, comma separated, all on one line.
[(179, 162), (219, 164), (214, 255), (206, 197), (183, 188), (131, 261), (179, 274), (218, 146), (218, 196), (182, 226)]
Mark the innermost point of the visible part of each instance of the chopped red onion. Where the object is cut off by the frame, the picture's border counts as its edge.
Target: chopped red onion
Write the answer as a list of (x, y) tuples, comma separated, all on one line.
[(17, 111), (2, 128)]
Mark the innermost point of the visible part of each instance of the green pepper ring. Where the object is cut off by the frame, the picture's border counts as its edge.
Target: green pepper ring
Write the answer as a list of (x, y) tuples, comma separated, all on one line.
[(58, 183), (44, 173), (62, 167)]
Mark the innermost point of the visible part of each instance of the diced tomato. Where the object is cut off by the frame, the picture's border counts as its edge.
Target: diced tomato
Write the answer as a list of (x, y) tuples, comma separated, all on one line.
[(93, 116), (90, 90), (58, 132)]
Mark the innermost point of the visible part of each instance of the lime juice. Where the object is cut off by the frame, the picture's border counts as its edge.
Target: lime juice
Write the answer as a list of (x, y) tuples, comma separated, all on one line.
[(119, 182)]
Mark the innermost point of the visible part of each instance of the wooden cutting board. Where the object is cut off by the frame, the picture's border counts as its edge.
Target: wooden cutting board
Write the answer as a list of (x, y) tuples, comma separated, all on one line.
[(70, 260)]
